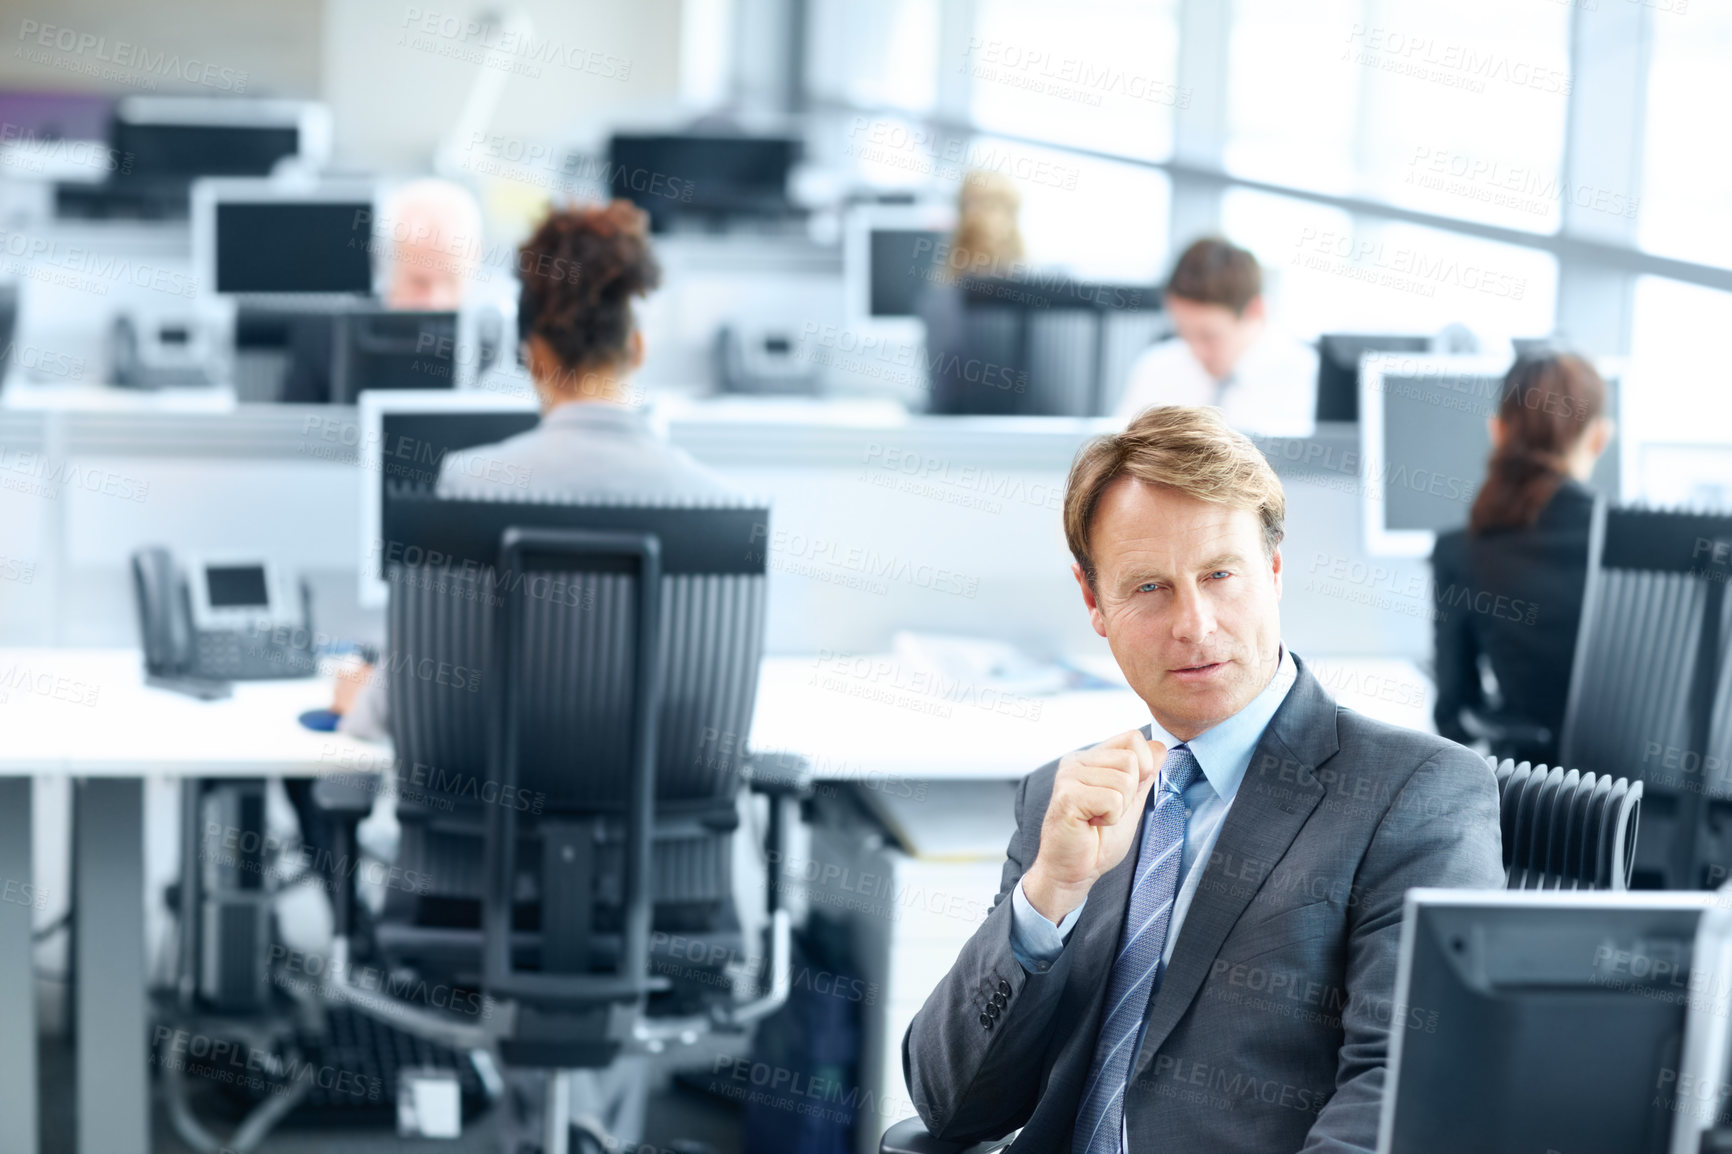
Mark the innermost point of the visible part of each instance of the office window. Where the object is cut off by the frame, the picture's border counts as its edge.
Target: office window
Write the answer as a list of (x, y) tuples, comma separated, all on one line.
[(1088, 218), (1329, 272), (1097, 74), (1677, 342), (1456, 109), (880, 55), (1686, 195), (1291, 102)]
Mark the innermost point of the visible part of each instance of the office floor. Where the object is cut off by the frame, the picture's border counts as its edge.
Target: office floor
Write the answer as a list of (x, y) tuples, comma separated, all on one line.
[(676, 1114)]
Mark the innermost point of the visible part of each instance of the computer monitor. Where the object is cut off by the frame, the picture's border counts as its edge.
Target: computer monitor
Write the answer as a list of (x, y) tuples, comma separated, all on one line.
[(261, 237), (1424, 443), (889, 253), (673, 174), (1338, 368), (401, 349), (403, 439), (1548, 1020), (182, 137)]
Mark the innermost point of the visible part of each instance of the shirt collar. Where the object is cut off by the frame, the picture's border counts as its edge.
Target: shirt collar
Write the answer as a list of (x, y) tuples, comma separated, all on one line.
[(1224, 750), (594, 413)]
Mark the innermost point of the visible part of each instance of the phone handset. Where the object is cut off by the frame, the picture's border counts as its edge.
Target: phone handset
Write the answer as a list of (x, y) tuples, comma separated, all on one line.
[(165, 625)]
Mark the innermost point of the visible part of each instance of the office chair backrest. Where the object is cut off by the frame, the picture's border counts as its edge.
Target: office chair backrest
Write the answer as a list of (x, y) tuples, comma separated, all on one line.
[(1650, 691), (573, 678), (1037, 347)]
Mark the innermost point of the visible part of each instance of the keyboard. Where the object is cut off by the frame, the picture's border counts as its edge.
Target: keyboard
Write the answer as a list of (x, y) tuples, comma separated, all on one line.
[(350, 1073)]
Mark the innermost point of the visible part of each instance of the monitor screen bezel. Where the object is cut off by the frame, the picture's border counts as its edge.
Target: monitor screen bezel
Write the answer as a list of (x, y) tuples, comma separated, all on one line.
[(857, 230), (1423, 898), (1382, 541), (211, 192)]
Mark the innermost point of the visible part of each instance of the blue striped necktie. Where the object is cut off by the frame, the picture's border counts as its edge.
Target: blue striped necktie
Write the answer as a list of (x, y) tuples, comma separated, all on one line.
[(1100, 1117)]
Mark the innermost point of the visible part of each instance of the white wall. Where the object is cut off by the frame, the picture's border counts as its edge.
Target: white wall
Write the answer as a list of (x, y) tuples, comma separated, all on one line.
[(394, 87)]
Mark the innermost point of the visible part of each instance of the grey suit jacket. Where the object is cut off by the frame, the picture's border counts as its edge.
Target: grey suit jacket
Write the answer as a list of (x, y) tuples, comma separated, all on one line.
[(1270, 1028)]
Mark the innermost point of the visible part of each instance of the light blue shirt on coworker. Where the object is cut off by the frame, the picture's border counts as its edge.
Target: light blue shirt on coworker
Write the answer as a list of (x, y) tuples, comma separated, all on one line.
[(1223, 753)]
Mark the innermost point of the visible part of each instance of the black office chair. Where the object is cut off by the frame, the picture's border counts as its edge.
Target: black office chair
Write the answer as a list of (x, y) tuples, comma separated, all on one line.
[(1651, 688), (570, 753)]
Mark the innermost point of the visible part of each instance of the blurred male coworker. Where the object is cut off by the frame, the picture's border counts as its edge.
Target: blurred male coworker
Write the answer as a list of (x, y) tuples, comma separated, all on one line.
[(1194, 941), (1225, 354)]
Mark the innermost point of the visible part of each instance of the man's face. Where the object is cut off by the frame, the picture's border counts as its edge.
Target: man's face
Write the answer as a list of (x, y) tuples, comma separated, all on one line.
[(425, 276), (1215, 334), (1188, 601)]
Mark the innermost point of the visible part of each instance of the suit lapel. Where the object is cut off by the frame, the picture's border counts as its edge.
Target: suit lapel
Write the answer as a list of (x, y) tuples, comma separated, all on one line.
[(1273, 803)]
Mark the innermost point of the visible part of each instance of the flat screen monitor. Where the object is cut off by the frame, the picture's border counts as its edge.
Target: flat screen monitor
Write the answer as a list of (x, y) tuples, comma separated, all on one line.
[(403, 439), (1338, 368), (889, 254), (257, 237), (172, 137), (1527, 1021), (1424, 444), (393, 349), (667, 174)]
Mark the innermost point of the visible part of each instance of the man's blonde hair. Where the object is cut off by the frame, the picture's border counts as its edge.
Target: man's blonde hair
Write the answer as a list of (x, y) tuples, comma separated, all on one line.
[(1187, 448)]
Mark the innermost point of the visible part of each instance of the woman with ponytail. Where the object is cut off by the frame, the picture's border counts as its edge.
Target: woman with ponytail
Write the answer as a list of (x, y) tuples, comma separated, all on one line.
[(1508, 588)]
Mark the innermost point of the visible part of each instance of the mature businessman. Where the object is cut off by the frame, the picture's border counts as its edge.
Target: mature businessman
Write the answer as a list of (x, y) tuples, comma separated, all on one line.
[(1194, 943)]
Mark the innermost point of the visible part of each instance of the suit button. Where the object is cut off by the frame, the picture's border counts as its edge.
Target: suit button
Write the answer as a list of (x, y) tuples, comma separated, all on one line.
[(999, 1000), (986, 1021), (1004, 987), (994, 1009)]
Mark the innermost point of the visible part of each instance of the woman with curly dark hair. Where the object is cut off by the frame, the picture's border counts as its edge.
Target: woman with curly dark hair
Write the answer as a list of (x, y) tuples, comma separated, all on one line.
[(1509, 587), (581, 270)]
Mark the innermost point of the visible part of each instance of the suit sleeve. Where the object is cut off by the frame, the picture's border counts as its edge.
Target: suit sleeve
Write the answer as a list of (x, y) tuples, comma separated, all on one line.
[(1455, 651), (1441, 829), (974, 1072)]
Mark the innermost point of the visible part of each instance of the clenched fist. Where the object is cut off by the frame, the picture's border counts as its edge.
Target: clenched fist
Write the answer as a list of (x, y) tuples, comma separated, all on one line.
[(1096, 808)]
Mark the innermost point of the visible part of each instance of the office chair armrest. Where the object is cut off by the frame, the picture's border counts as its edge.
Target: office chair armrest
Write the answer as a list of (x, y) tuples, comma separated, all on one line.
[(909, 1136), (345, 797), (778, 774), (783, 779)]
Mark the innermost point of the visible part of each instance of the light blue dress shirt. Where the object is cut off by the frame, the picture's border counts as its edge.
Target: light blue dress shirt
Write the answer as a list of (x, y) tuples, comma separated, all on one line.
[(1223, 754)]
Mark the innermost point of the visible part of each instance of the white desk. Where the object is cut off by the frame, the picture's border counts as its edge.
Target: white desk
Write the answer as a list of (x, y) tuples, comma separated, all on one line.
[(87, 714)]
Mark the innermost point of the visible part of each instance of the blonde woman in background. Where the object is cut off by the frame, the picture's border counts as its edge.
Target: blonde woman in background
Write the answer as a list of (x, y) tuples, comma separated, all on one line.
[(987, 242)]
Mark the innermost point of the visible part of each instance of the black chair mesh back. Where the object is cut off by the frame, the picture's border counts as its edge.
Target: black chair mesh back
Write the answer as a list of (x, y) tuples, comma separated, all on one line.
[(1651, 688), (575, 670)]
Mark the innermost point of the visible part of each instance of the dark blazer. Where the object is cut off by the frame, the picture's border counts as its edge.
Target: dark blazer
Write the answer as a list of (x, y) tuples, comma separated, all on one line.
[(1515, 596), (1269, 1031)]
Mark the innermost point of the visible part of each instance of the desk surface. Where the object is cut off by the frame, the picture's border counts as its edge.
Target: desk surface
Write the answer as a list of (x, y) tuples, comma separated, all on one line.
[(87, 712)]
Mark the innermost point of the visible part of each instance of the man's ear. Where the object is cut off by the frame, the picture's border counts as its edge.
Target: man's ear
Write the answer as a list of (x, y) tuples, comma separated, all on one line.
[(1255, 310), (636, 352), (1275, 569), (1088, 593)]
